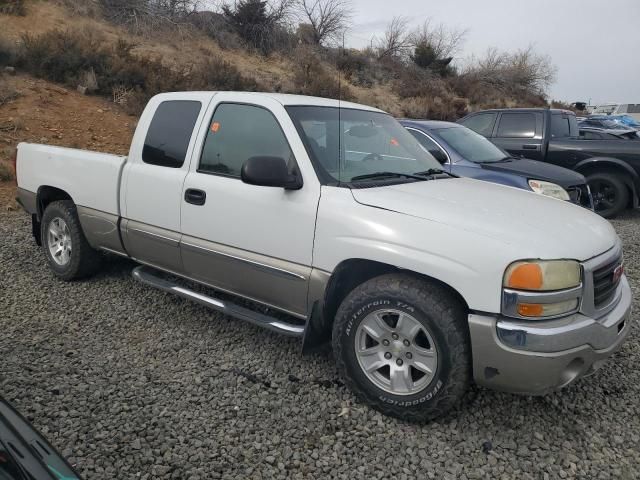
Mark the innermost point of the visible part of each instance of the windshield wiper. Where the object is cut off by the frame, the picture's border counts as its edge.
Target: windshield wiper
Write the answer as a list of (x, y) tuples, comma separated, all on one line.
[(435, 171), (373, 176)]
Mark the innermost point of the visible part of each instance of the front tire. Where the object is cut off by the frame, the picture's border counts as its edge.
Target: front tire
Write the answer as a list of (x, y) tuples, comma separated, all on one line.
[(402, 346), (610, 194), (68, 253)]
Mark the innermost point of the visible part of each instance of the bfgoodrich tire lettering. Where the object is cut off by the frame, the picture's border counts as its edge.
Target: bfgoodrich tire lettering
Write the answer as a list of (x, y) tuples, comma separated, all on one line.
[(439, 312), (83, 260)]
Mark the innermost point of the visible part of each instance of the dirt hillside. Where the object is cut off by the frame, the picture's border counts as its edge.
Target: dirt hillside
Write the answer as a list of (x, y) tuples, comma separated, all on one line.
[(42, 112)]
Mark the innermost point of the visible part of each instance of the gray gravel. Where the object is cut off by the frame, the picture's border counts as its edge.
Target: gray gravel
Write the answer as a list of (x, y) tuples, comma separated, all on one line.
[(129, 382)]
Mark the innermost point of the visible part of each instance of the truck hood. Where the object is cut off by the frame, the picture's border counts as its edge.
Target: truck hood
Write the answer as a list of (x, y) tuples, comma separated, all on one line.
[(533, 169), (537, 226)]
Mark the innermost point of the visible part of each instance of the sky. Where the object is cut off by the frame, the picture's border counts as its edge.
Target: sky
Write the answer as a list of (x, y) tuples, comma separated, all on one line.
[(595, 44)]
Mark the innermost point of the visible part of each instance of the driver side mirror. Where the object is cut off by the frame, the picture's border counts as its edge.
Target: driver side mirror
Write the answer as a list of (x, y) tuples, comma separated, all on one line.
[(269, 172)]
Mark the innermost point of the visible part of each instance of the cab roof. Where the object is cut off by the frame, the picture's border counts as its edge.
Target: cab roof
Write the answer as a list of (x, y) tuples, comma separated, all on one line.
[(288, 99)]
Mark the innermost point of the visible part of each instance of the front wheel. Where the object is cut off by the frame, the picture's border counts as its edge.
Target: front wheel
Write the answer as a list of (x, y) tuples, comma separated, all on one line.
[(610, 194), (402, 346)]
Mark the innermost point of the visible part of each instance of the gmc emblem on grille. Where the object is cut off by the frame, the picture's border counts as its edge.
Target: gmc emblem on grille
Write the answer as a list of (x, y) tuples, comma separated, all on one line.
[(617, 273)]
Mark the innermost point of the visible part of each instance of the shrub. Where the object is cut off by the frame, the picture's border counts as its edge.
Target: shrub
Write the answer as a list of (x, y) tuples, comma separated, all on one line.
[(80, 58), (260, 23), (13, 7), (311, 78), (215, 26), (6, 172), (86, 8), (356, 67), (416, 82), (7, 93), (8, 52), (217, 74), (63, 56)]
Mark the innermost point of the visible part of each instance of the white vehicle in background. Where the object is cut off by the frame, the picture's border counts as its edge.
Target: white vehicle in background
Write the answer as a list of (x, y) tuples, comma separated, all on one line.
[(328, 221), (604, 109)]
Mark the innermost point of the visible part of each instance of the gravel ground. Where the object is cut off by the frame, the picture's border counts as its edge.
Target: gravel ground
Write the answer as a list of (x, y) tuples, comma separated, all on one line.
[(129, 382)]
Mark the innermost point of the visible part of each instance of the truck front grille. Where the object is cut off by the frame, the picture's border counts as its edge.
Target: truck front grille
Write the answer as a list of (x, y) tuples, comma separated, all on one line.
[(604, 284)]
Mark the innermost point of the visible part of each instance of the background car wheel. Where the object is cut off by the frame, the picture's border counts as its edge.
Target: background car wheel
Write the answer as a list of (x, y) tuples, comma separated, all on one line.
[(69, 254), (610, 194), (402, 346)]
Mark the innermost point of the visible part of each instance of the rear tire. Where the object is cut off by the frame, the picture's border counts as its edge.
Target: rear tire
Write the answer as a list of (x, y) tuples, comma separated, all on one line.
[(69, 254), (610, 194), (414, 365)]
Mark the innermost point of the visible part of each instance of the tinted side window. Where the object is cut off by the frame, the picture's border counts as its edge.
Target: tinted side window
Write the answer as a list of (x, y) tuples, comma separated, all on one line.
[(170, 132), (517, 125), (481, 123), (239, 132)]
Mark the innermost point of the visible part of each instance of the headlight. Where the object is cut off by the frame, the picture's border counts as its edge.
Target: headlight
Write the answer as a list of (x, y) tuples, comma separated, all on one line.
[(549, 189), (541, 288), (542, 275)]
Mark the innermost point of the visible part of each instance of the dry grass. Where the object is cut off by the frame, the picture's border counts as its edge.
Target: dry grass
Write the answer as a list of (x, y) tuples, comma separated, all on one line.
[(6, 172)]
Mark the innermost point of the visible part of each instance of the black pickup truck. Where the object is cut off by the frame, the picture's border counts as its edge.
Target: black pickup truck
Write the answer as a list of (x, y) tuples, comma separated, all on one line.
[(612, 167)]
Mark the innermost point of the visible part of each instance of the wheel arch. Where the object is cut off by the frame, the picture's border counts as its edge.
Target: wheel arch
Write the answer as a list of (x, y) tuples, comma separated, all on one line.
[(47, 194), (348, 275), (613, 165)]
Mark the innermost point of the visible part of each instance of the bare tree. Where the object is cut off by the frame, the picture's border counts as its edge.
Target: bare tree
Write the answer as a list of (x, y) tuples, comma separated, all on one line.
[(444, 41), (328, 18), (396, 41), (523, 71)]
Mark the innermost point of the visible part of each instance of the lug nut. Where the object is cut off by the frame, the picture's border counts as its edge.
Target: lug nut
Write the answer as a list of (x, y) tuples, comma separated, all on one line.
[(387, 356), (394, 336), (409, 355), (399, 362), (385, 342), (406, 343)]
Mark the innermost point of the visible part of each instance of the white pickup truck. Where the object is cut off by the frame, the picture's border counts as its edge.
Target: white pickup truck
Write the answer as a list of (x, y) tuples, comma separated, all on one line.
[(328, 221)]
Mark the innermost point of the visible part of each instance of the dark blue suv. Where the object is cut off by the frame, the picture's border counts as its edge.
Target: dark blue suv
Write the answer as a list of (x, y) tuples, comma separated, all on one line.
[(463, 152)]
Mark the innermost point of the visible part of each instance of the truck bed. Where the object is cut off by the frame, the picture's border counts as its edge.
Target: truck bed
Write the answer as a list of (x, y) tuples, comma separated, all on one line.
[(92, 179)]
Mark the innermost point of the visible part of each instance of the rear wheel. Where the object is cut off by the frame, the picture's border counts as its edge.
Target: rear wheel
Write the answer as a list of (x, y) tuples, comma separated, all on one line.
[(401, 344), (69, 254), (610, 194)]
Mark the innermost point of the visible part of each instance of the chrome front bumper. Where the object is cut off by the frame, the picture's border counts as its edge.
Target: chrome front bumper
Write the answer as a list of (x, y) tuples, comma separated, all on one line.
[(537, 357)]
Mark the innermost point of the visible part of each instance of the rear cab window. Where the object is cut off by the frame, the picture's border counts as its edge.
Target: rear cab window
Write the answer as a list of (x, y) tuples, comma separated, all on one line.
[(564, 125), (170, 132)]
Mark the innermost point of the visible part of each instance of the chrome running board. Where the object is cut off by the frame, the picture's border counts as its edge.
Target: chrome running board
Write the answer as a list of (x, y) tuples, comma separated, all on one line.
[(153, 278)]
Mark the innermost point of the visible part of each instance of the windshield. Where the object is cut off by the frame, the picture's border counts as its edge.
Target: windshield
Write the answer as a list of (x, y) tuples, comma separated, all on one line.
[(348, 143), (471, 145)]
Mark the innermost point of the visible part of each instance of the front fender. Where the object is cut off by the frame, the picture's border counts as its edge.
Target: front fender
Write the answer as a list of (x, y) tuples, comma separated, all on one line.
[(608, 161), (631, 177), (469, 263)]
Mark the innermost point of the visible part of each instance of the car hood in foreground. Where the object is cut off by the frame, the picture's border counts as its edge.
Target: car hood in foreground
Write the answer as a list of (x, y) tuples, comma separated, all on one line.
[(540, 226), (534, 169)]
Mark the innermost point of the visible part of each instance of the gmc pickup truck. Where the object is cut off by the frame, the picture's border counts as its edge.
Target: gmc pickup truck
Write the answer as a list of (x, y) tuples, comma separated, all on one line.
[(612, 167), (328, 221)]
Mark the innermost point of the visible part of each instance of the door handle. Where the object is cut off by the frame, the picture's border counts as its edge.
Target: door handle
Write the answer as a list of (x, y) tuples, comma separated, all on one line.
[(530, 146), (195, 197)]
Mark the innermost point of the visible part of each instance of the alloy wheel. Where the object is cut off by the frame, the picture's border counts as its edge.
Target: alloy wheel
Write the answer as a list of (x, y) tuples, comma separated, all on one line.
[(396, 352)]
